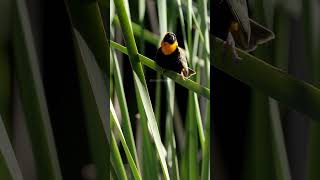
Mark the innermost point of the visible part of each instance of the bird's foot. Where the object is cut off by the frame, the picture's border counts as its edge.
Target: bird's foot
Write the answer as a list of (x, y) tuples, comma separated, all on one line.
[(230, 44), (182, 75)]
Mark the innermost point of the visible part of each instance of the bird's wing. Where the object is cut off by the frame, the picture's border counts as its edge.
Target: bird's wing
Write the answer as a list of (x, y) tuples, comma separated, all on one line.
[(158, 54), (183, 58), (259, 35), (239, 10)]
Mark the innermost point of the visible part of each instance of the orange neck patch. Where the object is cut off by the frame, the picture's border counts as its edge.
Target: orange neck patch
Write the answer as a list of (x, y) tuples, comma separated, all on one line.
[(168, 48), (234, 26)]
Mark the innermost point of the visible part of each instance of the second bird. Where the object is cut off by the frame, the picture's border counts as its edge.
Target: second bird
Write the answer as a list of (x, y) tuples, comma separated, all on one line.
[(232, 24)]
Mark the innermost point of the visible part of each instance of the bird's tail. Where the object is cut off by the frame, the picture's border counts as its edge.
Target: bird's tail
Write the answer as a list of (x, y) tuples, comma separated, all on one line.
[(259, 35), (189, 73)]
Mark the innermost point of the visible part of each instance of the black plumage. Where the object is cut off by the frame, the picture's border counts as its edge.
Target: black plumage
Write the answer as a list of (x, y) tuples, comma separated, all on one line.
[(171, 62), (170, 56)]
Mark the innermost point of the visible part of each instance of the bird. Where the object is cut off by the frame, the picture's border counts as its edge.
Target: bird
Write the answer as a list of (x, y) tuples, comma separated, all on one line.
[(170, 56), (231, 23)]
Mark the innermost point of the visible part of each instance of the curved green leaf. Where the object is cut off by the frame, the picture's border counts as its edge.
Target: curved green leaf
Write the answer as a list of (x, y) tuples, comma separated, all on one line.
[(270, 80)]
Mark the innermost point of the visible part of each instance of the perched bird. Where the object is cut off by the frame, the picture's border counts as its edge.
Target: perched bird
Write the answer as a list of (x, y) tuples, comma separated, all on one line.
[(232, 24), (170, 56)]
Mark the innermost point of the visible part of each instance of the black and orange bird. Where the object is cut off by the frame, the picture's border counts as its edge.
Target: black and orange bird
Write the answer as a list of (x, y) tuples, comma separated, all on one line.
[(232, 24), (170, 56)]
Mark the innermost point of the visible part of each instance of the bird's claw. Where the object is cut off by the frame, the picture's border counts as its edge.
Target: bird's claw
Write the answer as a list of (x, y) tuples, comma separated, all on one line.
[(182, 75), (230, 44)]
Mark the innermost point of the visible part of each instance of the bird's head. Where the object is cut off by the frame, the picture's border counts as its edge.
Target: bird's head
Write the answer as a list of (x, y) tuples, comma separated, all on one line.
[(169, 43)]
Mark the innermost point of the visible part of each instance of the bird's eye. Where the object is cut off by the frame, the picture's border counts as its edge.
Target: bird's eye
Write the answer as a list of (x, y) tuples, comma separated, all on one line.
[(174, 36)]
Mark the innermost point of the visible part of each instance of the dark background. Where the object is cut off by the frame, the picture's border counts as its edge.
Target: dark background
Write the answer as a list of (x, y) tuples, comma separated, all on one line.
[(230, 132)]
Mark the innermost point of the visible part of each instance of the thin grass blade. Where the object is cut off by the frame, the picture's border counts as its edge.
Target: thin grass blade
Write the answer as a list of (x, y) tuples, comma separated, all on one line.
[(6, 87), (310, 14), (205, 167), (127, 128), (95, 101), (279, 149), (115, 122), (86, 18), (162, 15), (192, 140), (142, 9), (9, 168), (281, 48), (203, 11), (33, 96), (116, 160), (183, 28)]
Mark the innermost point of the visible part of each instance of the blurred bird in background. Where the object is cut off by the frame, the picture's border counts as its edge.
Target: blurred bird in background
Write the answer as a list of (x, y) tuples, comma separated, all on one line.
[(232, 24)]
